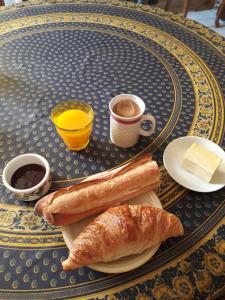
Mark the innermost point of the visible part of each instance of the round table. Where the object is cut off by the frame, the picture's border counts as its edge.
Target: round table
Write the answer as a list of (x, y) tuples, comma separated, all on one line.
[(92, 51)]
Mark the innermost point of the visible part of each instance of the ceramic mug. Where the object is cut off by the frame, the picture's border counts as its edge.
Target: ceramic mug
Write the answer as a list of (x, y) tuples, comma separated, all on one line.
[(125, 132)]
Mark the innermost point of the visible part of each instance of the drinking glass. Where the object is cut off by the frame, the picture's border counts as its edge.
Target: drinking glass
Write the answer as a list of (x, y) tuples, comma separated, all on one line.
[(73, 120)]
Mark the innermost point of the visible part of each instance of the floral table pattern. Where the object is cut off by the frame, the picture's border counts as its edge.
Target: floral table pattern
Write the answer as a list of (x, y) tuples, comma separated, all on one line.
[(93, 50)]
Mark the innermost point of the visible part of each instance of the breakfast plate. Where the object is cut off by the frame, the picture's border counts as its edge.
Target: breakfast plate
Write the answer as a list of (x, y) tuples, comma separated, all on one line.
[(124, 264), (173, 157)]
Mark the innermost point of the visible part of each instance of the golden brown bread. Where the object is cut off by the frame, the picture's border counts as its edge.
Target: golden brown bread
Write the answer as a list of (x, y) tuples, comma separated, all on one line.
[(99, 192), (120, 231)]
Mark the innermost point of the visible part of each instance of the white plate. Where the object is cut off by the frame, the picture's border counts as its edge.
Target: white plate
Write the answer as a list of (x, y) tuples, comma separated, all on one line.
[(173, 157), (125, 264)]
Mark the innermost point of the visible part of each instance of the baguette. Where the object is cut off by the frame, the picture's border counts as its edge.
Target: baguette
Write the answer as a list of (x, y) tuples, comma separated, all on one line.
[(99, 192)]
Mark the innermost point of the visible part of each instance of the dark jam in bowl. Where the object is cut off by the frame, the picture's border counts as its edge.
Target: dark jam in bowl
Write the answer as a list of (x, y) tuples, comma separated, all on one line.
[(27, 176)]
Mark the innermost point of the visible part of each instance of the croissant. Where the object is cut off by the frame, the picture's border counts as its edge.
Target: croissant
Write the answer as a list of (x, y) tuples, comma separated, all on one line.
[(99, 192), (120, 231)]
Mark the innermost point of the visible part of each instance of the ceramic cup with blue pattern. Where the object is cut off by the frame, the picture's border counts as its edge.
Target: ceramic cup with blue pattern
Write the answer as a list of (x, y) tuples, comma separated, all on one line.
[(32, 193)]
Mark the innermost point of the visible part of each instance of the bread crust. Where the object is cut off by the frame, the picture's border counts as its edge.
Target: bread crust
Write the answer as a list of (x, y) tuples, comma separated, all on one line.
[(120, 231), (99, 192)]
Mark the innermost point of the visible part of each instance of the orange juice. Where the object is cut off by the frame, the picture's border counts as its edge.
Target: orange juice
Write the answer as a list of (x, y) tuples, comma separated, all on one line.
[(72, 119), (74, 124)]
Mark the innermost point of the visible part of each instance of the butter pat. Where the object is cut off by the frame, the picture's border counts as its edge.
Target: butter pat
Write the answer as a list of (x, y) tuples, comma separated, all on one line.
[(222, 167), (201, 162)]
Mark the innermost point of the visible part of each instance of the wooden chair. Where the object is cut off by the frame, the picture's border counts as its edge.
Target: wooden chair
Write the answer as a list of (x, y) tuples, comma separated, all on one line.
[(220, 14), (186, 6)]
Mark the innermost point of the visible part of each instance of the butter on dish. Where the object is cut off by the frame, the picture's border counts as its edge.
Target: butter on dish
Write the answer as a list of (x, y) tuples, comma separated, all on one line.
[(201, 162)]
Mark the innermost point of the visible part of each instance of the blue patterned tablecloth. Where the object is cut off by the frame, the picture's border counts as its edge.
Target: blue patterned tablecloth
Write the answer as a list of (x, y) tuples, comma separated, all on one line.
[(91, 51)]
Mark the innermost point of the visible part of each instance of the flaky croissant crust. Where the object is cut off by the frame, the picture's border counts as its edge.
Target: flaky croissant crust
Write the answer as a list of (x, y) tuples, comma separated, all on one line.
[(120, 231)]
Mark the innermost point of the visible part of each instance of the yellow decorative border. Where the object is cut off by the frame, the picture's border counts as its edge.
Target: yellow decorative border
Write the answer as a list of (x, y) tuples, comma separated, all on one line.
[(32, 241), (27, 219), (205, 85), (177, 261), (166, 66), (212, 38), (158, 271), (21, 227), (215, 135), (207, 91)]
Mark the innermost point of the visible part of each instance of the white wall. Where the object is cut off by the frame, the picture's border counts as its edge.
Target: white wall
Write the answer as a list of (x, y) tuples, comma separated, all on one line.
[(9, 2)]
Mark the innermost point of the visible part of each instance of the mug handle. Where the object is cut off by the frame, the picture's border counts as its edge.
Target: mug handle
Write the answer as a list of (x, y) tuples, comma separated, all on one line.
[(152, 130)]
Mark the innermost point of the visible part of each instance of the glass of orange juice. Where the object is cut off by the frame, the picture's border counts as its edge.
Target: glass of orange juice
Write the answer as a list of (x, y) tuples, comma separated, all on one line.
[(73, 120)]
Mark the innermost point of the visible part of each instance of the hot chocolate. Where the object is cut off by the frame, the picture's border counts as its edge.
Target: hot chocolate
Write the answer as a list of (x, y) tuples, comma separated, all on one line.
[(126, 108)]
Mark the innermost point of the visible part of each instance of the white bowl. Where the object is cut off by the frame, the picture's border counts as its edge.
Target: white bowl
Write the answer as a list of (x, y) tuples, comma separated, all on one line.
[(34, 192)]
